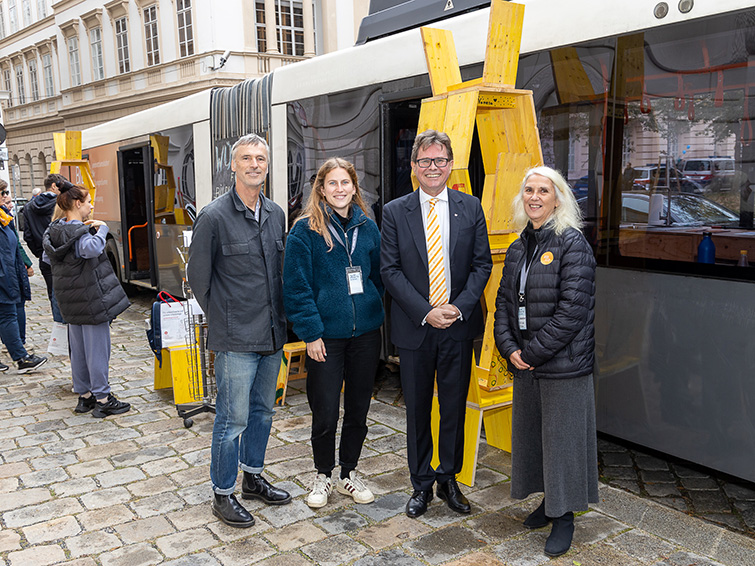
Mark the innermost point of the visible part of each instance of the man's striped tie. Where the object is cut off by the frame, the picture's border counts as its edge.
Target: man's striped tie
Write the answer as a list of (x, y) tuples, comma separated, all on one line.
[(438, 291)]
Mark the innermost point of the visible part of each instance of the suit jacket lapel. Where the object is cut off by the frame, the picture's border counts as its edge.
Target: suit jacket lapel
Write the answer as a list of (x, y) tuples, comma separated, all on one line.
[(455, 209), (416, 226)]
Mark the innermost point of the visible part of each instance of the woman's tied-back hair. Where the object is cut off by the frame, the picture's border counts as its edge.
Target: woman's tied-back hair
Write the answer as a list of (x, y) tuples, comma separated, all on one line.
[(69, 194), (566, 214), (315, 210)]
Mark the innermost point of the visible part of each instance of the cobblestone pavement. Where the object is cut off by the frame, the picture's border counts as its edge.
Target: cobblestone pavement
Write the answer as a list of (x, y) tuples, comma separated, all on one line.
[(133, 490)]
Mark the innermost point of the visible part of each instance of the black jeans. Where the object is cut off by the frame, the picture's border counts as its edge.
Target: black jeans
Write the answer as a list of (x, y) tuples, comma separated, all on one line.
[(351, 362)]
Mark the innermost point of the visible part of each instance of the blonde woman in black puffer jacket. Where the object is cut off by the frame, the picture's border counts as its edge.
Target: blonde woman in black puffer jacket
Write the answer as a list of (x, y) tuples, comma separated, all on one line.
[(544, 328)]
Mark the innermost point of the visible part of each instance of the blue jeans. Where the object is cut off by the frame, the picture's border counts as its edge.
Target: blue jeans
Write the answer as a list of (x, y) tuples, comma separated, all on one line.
[(13, 329), (243, 415)]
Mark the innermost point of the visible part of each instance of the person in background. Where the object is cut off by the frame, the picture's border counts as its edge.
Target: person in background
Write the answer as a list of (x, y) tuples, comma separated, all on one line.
[(89, 296), (35, 191), (234, 269), (14, 290), (38, 215), (332, 293), (435, 262), (544, 327)]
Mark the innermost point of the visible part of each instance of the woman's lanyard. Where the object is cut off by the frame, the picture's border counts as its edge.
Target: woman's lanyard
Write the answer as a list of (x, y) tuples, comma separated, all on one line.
[(353, 273), (523, 274)]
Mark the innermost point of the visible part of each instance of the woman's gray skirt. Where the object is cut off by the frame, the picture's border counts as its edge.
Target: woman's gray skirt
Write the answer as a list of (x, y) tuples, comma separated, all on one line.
[(554, 444)]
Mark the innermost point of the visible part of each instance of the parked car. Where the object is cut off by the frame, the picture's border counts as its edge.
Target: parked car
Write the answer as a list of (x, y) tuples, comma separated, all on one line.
[(645, 178), (705, 170), (686, 210)]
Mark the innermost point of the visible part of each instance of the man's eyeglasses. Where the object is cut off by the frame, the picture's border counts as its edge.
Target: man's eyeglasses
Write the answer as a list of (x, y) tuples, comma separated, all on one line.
[(425, 162), (4, 193)]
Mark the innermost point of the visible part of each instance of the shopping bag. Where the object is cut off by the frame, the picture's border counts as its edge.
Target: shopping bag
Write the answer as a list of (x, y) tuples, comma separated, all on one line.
[(58, 345)]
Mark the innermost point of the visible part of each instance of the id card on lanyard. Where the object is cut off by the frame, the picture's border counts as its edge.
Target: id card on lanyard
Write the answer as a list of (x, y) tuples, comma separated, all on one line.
[(354, 281), (523, 274)]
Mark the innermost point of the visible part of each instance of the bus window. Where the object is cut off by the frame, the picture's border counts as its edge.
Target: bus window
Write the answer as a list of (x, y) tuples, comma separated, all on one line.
[(686, 133)]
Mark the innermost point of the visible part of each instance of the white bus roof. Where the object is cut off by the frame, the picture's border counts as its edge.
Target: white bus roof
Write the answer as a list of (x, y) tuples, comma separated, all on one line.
[(188, 110), (547, 24)]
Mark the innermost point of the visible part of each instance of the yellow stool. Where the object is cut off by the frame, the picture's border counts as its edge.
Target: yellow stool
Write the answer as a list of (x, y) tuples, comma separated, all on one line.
[(292, 367)]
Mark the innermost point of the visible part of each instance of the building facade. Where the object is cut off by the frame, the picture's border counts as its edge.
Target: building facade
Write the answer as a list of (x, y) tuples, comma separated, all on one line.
[(72, 64)]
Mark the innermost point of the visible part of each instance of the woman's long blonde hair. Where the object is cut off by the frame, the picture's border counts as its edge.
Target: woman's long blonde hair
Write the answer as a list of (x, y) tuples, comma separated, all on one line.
[(567, 213), (314, 210)]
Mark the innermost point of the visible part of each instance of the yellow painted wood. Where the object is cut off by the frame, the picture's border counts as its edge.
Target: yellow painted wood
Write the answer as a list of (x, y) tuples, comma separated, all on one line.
[(459, 125), (160, 147), (492, 136), (504, 39), (175, 373), (510, 171), (458, 180), (501, 240), (432, 114), (440, 54), (630, 66), (67, 145), (495, 100), (488, 192), (498, 427), (292, 367), (472, 83), (572, 83)]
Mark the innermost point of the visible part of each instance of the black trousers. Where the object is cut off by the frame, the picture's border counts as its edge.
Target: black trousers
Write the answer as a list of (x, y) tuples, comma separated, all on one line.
[(351, 363), (452, 361)]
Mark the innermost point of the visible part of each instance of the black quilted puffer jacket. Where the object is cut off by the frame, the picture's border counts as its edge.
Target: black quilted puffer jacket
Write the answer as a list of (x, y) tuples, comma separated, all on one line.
[(560, 295)]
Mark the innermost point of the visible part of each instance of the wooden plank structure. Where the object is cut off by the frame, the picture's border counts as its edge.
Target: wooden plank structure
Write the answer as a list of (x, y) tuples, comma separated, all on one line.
[(510, 144), (68, 154)]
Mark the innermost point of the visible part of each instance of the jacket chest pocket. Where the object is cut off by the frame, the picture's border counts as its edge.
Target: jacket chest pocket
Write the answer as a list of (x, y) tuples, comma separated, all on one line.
[(236, 258)]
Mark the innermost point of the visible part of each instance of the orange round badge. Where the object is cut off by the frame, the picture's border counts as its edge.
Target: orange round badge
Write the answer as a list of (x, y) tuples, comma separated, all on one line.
[(546, 258)]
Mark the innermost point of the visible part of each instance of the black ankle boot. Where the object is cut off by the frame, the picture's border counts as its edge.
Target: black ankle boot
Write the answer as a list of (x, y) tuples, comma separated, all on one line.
[(231, 512), (255, 486), (537, 518), (559, 540)]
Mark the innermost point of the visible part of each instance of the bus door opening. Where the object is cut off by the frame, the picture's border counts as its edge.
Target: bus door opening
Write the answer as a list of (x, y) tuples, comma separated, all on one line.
[(137, 214)]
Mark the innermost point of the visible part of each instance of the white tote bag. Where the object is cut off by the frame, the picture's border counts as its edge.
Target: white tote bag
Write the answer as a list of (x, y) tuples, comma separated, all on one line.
[(58, 345)]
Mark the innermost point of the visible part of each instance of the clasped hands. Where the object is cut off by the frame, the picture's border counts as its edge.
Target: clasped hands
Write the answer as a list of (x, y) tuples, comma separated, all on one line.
[(443, 316)]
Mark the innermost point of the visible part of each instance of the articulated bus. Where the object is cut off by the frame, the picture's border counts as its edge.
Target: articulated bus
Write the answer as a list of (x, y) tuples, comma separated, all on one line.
[(632, 99)]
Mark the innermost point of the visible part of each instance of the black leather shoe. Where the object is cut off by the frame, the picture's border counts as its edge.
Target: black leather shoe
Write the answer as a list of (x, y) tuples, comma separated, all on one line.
[(231, 512), (418, 503), (537, 518), (255, 486), (449, 492), (559, 540)]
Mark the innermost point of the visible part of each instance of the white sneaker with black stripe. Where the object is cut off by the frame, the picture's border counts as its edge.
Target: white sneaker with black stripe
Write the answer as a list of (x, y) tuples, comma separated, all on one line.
[(355, 487)]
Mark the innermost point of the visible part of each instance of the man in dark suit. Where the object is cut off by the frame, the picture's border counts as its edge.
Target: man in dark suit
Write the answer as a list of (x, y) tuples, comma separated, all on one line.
[(435, 262)]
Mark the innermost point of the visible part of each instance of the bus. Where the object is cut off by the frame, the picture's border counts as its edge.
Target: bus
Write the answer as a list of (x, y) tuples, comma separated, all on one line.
[(620, 89)]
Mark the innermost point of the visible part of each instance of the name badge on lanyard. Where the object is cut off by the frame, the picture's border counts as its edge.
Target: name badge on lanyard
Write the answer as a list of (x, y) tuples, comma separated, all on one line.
[(523, 274), (354, 279), (353, 272)]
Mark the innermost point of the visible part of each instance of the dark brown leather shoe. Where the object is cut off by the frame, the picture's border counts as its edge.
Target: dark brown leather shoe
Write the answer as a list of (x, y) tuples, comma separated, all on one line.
[(231, 512), (255, 486), (449, 492), (418, 503)]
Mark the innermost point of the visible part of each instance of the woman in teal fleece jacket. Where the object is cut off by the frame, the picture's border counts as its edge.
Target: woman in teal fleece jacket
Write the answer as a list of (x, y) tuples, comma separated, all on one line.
[(332, 293)]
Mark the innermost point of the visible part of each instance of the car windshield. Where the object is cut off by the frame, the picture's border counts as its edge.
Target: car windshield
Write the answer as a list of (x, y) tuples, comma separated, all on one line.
[(686, 210), (690, 210), (698, 165)]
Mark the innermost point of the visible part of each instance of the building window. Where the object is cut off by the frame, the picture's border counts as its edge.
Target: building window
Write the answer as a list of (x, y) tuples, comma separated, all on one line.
[(20, 84), (2, 21), (41, 9), (33, 80), (12, 16), (47, 71), (259, 11), (185, 28), (289, 23), (150, 34), (73, 60), (95, 41), (121, 43), (26, 11), (8, 85)]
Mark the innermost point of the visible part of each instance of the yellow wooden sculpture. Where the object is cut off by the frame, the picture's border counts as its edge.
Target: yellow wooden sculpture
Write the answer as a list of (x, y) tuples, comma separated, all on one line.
[(68, 154), (510, 144)]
